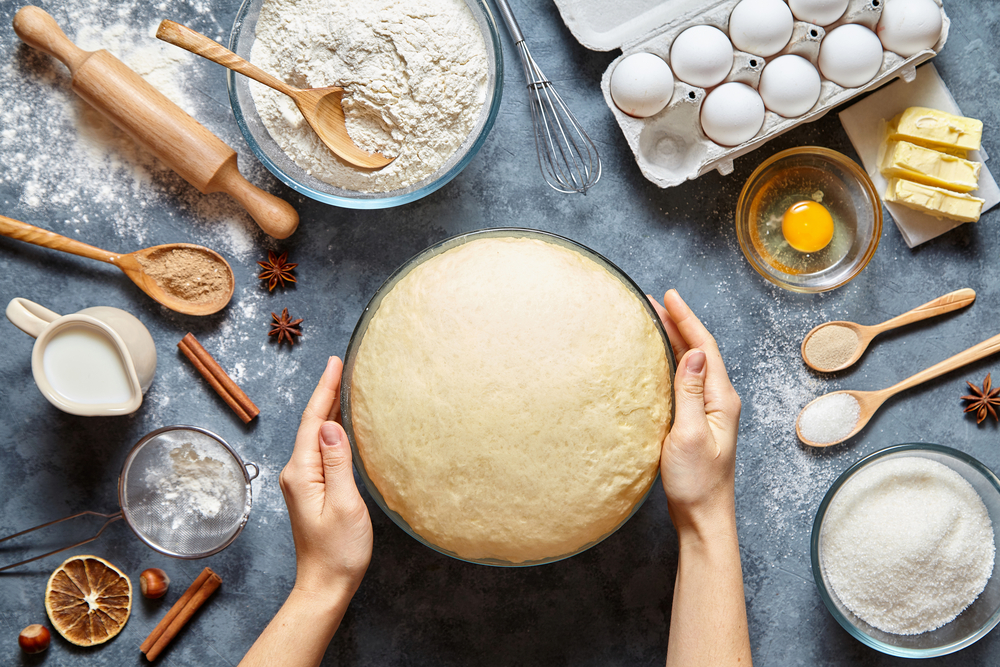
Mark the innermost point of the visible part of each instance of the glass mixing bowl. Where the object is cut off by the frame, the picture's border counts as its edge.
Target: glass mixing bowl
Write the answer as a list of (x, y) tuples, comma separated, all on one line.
[(968, 627), (366, 317), (809, 173), (278, 163)]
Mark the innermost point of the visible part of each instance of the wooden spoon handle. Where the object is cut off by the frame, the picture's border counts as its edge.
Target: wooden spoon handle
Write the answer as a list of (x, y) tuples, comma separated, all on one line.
[(974, 353), (198, 44), (40, 31), (22, 231), (939, 306)]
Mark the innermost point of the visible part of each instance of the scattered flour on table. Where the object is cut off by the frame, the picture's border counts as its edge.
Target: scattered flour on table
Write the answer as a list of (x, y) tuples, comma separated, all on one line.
[(777, 386), (63, 159), (414, 71)]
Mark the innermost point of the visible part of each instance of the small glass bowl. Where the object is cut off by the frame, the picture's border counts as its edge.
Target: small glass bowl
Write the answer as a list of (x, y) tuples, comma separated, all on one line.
[(362, 327), (976, 620), (278, 163), (809, 173)]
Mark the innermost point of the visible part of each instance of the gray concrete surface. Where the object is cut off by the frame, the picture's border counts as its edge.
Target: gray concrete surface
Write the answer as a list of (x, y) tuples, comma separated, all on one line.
[(607, 606)]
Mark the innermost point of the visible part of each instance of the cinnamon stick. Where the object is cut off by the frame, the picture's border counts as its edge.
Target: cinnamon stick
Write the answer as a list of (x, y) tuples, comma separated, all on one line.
[(220, 381), (182, 611)]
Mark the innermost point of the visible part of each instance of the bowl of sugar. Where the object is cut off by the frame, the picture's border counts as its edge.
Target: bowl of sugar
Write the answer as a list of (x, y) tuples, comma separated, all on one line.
[(903, 550)]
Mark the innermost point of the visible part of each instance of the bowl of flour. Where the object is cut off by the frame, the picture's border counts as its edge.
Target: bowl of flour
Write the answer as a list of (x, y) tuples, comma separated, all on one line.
[(903, 550), (422, 81)]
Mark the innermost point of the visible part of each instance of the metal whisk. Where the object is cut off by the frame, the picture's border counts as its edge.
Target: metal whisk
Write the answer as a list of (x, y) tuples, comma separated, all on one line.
[(567, 156)]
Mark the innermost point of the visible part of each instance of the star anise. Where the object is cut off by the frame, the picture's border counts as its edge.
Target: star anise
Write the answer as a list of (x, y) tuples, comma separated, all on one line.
[(984, 401), (284, 327), (276, 270)]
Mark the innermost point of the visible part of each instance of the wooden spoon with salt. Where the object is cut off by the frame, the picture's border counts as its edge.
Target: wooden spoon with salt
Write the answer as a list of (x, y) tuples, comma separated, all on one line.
[(192, 291), (870, 401), (321, 107), (833, 338)]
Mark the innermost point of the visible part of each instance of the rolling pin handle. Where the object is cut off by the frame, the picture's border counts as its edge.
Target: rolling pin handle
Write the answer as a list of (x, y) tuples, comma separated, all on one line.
[(274, 215), (39, 30)]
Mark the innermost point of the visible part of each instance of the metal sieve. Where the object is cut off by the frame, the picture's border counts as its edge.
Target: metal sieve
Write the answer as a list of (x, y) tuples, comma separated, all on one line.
[(182, 490)]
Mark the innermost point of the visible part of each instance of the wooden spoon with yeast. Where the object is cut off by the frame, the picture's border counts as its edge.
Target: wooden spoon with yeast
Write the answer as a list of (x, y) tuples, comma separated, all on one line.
[(939, 306), (131, 264)]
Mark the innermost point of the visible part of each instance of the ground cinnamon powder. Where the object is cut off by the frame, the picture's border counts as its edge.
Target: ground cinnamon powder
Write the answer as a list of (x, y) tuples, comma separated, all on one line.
[(831, 346), (188, 273)]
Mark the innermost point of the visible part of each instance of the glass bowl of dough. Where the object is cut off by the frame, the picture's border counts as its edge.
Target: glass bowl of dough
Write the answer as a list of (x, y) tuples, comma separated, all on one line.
[(903, 550), (422, 84), (506, 393)]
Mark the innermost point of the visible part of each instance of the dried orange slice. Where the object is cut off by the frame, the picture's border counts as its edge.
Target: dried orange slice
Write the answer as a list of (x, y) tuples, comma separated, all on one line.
[(88, 600)]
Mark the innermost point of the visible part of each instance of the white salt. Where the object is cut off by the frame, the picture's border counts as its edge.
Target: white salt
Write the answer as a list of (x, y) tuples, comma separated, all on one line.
[(907, 544), (830, 418)]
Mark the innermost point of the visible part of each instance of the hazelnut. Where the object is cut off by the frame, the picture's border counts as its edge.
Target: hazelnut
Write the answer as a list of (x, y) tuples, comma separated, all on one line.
[(154, 583), (34, 639)]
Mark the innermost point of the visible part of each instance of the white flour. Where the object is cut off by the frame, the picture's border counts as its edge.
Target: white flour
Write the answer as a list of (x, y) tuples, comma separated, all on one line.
[(198, 484), (415, 74)]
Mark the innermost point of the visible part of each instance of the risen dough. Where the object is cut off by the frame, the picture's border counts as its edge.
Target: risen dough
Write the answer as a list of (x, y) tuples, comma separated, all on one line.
[(509, 400)]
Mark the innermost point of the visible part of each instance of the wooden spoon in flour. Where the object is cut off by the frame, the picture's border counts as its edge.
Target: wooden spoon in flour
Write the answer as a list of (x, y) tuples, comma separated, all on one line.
[(321, 107), (184, 277)]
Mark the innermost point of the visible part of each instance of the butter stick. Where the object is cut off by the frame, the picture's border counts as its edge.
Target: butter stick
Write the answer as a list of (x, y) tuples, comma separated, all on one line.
[(903, 159), (936, 129), (934, 201)]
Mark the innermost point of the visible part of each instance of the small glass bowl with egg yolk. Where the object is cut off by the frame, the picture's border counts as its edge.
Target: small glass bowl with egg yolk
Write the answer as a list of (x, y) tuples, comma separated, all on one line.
[(809, 219)]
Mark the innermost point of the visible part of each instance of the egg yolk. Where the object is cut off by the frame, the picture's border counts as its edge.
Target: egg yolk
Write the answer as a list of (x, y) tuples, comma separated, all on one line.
[(807, 226)]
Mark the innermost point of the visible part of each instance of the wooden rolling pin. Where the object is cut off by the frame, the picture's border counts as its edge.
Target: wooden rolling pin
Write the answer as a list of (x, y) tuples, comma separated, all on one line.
[(156, 123)]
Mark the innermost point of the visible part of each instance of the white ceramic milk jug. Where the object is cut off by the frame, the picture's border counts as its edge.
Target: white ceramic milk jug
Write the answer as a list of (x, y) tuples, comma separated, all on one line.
[(97, 362)]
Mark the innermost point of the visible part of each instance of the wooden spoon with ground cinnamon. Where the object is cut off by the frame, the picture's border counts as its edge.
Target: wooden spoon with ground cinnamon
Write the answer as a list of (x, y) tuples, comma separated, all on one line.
[(184, 277), (833, 346)]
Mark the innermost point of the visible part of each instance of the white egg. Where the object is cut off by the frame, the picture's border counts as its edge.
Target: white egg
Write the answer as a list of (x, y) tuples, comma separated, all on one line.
[(642, 84), (761, 27), (702, 56), (789, 86), (820, 12), (732, 113), (850, 55), (909, 26)]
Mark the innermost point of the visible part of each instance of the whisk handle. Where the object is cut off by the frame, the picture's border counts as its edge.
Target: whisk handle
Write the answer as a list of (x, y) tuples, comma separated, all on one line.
[(508, 18)]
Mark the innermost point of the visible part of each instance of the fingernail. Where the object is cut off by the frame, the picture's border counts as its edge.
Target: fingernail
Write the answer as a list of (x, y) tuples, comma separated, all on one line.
[(696, 362), (329, 434)]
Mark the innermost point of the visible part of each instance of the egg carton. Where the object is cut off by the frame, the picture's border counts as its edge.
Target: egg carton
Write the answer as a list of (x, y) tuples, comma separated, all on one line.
[(671, 147)]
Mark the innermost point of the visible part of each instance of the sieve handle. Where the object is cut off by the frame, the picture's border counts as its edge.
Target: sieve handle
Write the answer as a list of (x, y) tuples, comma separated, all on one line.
[(256, 470), (111, 518)]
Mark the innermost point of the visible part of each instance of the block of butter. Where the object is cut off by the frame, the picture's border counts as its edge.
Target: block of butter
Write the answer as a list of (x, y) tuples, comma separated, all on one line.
[(902, 159), (934, 201), (936, 129)]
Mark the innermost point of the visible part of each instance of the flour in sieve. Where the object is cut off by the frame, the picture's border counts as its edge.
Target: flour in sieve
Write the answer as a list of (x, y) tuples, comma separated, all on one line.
[(414, 71), (197, 483)]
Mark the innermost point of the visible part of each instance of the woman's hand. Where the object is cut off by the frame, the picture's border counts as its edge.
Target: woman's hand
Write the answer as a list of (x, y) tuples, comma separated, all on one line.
[(708, 620), (330, 522), (697, 464), (332, 533)]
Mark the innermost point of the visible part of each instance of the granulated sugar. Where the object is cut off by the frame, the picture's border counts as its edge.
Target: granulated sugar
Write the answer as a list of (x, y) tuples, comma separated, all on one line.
[(907, 544), (830, 419)]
